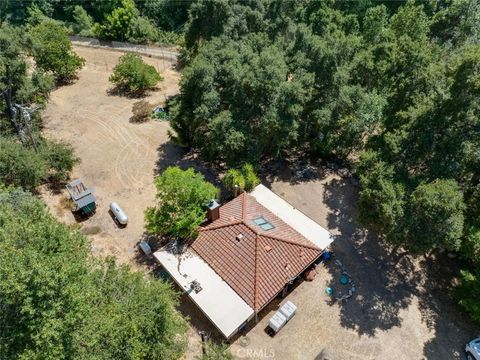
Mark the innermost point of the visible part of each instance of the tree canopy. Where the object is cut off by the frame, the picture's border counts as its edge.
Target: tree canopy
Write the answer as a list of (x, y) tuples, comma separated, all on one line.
[(389, 89), (182, 197), (57, 302), (52, 51)]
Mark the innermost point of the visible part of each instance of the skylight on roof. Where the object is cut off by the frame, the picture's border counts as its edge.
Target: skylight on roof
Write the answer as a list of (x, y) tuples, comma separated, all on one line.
[(264, 224)]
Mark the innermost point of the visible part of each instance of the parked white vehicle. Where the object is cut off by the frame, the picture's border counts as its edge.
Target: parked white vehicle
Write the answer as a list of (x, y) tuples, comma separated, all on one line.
[(472, 350)]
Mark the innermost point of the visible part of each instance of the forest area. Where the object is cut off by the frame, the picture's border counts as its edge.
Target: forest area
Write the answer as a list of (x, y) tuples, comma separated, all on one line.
[(388, 90)]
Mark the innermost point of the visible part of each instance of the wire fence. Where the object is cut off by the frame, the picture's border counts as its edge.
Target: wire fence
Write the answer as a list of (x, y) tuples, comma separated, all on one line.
[(158, 52)]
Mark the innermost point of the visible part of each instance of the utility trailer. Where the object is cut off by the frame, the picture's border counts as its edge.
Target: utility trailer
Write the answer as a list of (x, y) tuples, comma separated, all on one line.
[(82, 197)]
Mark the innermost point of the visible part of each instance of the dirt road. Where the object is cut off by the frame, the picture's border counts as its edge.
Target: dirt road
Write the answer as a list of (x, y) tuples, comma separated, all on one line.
[(118, 157)]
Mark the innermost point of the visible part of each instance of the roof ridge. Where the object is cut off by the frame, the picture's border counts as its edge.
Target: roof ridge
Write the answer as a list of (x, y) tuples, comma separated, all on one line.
[(313, 247), (244, 206), (238, 222), (255, 280)]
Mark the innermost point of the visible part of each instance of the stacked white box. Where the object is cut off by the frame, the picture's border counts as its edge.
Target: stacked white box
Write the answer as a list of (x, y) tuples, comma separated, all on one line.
[(277, 321), (288, 310)]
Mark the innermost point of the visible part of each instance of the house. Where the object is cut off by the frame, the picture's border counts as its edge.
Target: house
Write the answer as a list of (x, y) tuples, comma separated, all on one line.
[(252, 248)]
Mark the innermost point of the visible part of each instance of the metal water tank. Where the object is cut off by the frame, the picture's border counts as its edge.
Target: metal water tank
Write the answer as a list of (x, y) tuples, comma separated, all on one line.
[(119, 214)]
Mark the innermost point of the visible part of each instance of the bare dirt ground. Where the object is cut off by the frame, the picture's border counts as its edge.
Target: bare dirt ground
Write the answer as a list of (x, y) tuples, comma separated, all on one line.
[(401, 309), (118, 158)]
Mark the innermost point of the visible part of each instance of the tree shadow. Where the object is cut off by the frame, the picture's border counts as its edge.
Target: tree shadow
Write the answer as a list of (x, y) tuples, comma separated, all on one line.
[(387, 283), (295, 169)]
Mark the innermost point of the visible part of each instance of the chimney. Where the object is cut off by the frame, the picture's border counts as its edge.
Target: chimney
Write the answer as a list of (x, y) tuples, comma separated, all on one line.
[(213, 210)]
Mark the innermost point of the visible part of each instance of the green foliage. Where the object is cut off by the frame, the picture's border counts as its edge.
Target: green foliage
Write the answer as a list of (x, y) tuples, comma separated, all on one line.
[(119, 25), (436, 216), (60, 158), (381, 200), (216, 352), (57, 302), (233, 179), (239, 180), (251, 178), (168, 15), (143, 32), (182, 196), (133, 76), (468, 293), (17, 84), (21, 166), (83, 23), (52, 51)]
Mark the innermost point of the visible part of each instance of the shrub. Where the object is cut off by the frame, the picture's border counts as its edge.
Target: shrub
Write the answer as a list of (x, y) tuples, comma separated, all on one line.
[(132, 76), (142, 111), (245, 179), (468, 293), (232, 179), (251, 179)]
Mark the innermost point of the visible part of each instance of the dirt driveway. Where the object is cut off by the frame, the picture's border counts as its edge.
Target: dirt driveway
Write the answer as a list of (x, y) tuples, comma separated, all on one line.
[(401, 309), (118, 157)]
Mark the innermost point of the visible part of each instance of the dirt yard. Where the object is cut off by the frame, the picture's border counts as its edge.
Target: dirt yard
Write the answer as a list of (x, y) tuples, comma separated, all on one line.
[(118, 158), (398, 311)]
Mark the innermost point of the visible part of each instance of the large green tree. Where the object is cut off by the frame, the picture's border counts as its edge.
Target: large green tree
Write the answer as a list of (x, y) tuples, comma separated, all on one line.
[(52, 51), (56, 302), (182, 197)]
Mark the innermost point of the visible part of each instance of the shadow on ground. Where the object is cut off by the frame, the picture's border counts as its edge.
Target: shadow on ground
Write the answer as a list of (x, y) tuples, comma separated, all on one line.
[(387, 282)]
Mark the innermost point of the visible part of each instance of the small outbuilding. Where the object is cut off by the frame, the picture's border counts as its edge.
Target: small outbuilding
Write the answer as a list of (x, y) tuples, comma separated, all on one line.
[(82, 197)]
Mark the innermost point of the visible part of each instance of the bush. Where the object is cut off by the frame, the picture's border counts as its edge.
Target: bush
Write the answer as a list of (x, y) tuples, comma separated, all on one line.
[(132, 76), (58, 302), (245, 179), (251, 179), (142, 111), (232, 179), (52, 51)]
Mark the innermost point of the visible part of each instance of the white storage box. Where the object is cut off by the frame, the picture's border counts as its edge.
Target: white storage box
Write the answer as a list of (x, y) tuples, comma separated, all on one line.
[(277, 321), (288, 310)]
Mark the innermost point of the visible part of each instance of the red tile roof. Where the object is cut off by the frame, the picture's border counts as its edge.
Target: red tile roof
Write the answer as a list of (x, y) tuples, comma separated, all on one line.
[(259, 263)]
